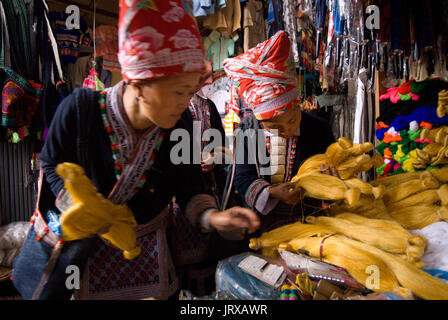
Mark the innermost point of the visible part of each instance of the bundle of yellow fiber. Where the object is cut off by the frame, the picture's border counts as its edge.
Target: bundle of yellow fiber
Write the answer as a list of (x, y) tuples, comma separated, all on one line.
[(273, 238), (366, 188), (435, 135), (395, 274), (397, 179), (352, 166), (401, 243), (366, 206), (312, 164), (354, 260), (401, 191), (348, 159), (435, 153), (441, 174), (417, 244), (442, 106), (418, 217), (427, 197), (343, 149), (326, 187), (381, 224), (419, 282)]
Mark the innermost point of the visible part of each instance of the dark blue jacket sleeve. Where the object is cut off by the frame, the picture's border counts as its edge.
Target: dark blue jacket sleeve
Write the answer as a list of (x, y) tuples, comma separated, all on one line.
[(60, 145), (245, 171)]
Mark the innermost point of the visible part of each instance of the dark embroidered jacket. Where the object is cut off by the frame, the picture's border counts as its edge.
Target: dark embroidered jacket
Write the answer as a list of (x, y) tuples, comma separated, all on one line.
[(315, 137)]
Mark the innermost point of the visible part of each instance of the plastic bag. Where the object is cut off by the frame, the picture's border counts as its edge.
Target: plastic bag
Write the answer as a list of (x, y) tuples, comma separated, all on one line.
[(187, 295), (237, 284)]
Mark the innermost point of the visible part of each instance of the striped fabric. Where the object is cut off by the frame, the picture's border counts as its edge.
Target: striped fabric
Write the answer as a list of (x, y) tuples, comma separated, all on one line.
[(254, 190)]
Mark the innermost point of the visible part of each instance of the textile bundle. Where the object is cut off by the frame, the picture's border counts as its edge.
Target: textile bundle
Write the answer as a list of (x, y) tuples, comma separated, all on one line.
[(368, 223)]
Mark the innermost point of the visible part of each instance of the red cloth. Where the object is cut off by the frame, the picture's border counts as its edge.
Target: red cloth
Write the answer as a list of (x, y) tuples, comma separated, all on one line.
[(380, 125), (425, 125), (157, 38), (265, 77), (405, 88), (388, 138)]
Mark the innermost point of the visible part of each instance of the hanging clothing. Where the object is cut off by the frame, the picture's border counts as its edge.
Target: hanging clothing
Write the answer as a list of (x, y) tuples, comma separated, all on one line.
[(106, 45), (219, 50), (254, 24), (68, 40), (342, 114), (275, 17), (203, 8), (226, 20), (6, 50), (290, 21)]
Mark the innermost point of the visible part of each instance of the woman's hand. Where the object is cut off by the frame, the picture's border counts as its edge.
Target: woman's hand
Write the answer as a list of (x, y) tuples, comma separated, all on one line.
[(235, 218), (206, 168), (207, 163), (287, 193)]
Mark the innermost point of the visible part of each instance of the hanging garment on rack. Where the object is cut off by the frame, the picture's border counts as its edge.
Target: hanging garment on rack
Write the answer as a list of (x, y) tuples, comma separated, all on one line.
[(290, 20), (342, 115), (68, 40), (226, 20), (106, 45), (254, 24), (81, 71), (218, 93), (360, 107), (275, 17), (20, 101), (220, 49), (6, 50), (203, 8), (17, 22)]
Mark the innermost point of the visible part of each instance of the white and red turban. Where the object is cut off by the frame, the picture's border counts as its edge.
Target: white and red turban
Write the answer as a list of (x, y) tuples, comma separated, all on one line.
[(265, 77), (157, 38)]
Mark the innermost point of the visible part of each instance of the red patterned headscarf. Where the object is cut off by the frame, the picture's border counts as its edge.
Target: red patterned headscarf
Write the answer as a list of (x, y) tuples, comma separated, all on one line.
[(265, 77), (157, 38)]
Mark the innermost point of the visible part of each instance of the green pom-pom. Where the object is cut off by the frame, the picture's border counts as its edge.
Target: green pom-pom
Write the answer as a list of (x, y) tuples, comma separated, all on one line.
[(15, 138)]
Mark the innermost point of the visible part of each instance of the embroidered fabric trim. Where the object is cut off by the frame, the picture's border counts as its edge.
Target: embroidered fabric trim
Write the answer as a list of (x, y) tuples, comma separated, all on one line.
[(254, 191), (131, 166)]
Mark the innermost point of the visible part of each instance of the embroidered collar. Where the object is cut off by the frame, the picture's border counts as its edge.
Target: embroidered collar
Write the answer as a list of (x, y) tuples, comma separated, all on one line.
[(133, 157)]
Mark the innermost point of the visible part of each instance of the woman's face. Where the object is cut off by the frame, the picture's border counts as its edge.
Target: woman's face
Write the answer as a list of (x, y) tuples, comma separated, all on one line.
[(286, 124), (164, 100)]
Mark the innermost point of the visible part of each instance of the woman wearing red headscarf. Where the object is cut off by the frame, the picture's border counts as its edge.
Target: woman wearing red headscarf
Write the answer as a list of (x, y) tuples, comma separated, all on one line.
[(121, 138), (265, 78)]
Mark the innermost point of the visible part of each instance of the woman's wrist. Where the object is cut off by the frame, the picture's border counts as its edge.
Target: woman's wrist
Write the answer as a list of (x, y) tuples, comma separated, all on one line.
[(204, 220)]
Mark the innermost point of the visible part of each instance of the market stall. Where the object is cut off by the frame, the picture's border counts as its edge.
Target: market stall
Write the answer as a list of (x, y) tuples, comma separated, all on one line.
[(376, 71)]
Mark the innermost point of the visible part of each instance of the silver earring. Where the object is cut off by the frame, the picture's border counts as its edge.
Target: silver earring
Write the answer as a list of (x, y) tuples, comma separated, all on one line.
[(137, 99)]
